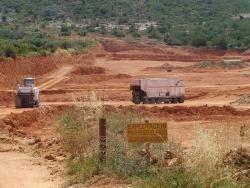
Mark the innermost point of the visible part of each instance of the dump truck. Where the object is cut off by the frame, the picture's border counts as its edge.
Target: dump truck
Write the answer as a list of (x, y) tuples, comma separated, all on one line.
[(158, 90), (27, 94)]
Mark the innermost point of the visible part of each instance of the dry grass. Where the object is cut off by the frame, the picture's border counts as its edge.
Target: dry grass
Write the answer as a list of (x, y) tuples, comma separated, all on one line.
[(163, 165)]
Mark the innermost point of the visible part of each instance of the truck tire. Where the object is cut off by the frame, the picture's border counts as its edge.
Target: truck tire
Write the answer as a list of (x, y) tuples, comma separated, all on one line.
[(158, 101), (181, 100), (174, 101), (136, 100), (36, 104), (145, 101), (18, 102)]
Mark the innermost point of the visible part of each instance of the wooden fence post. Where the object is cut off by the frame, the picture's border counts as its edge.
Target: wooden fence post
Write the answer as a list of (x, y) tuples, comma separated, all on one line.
[(102, 139)]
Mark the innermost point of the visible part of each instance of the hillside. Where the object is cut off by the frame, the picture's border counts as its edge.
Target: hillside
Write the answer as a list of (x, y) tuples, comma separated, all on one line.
[(210, 23)]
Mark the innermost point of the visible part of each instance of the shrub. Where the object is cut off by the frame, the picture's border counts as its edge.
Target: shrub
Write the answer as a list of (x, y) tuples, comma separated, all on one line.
[(78, 128), (220, 42), (66, 44), (136, 34), (81, 170), (10, 52), (118, 33), (82, 33), (198, 41), (65, 31), (200, 166)]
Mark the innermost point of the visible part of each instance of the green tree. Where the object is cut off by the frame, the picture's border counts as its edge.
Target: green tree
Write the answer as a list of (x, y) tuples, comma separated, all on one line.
[(220, 42), (198, 41), (65, 31)]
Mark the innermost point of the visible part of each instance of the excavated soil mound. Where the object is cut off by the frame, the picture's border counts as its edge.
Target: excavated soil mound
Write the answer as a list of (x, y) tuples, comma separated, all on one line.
[(122, 76), (134, 50), (12, 71), (164, 67), (181, 113), (246, 53), (32, 119), (220, 64), (88, 70), (7, 98), (240, 159)]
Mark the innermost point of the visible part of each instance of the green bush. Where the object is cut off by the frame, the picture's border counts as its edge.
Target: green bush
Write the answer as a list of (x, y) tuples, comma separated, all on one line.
[(198, 41), (10, 52), (136, 34), (118, 33), (65, 31), (35, 43), (82, 33), (81, 170), (213, 17), (201, 166), (220, 42)]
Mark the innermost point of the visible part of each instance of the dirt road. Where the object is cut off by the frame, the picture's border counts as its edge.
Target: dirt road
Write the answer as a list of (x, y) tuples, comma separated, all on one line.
[(19, 170), (56, 77)]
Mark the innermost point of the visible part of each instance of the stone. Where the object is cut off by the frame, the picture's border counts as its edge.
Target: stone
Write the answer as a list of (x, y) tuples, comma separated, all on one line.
[(50, 157)]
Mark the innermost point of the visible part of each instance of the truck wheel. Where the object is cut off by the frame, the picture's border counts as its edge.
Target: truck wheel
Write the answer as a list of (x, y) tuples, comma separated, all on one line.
[(36, 104), (174, 101), (136, 100), (158, 101), (153, 101), (146, 101), (181, 100), (18, 102)]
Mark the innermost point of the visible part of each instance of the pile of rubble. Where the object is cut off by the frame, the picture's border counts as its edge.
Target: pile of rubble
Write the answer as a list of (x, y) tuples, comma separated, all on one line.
[(243, 100)]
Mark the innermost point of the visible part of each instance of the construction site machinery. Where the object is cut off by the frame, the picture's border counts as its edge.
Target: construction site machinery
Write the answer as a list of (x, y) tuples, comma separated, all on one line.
[(27, 94), (158, 90)]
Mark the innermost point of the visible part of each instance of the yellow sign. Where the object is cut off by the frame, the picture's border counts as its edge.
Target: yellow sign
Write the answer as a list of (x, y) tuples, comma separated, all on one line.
[(148, 132)]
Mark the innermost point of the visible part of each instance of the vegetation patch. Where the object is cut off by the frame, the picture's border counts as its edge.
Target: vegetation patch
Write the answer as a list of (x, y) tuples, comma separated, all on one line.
[(15, 43), (243, 100), (221, 64), (212, 23), (209, 163)]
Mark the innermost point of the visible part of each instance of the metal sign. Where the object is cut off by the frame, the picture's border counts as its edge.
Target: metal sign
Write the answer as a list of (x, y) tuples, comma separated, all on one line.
[(148, 132)]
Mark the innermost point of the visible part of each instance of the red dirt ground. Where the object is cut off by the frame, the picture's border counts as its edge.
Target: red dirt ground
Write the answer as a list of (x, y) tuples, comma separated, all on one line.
[(108, 69)]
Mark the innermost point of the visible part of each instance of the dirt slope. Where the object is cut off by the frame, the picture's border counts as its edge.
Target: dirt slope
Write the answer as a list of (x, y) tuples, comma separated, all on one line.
[(56, 77)]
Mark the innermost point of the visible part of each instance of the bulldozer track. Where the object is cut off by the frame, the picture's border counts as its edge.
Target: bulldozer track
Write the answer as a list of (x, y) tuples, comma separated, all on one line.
[(56, 77)]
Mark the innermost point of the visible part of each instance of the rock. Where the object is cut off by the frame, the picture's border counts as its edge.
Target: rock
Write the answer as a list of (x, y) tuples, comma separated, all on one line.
[(60, 159), (3, 150), (173, 162), (31, 142), (169, 155), (37, 140), (20, 149), (55, 140), (39, 145), (50, 158), (49, 144)]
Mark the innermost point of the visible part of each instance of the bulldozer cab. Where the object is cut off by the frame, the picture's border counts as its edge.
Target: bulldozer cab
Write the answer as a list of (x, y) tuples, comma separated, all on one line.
[(29, 82)]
